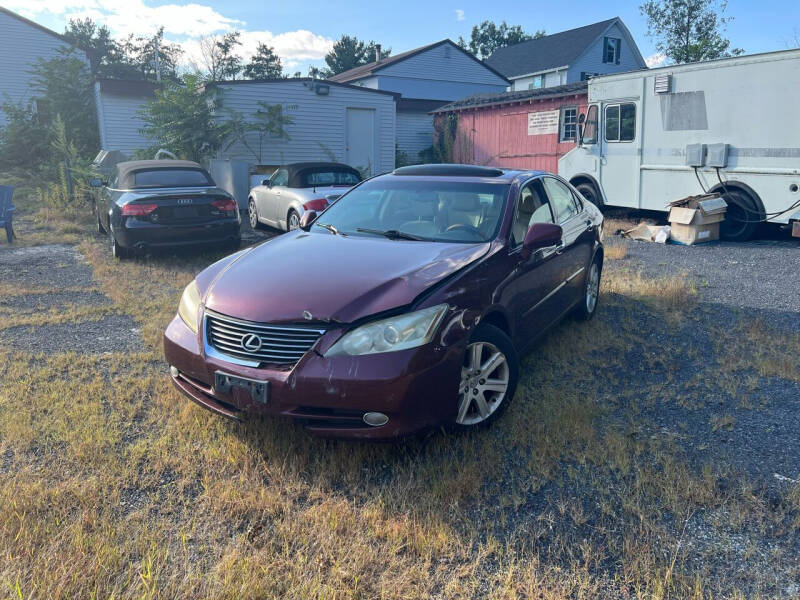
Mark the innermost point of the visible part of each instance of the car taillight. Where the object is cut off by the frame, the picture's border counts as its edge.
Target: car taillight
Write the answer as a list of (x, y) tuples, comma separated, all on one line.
[(138, 210), (225, 204), (316, 204)]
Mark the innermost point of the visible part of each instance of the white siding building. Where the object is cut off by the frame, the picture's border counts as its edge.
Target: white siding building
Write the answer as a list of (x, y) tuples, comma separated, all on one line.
[(118, 103), (330, 121), (427, 78), (22, 43)]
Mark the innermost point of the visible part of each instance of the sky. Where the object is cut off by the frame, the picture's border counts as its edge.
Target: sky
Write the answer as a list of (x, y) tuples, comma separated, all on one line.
[(303, 31)]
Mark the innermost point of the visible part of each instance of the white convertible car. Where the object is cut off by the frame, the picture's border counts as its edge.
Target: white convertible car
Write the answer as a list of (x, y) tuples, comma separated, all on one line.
[(292, 189)]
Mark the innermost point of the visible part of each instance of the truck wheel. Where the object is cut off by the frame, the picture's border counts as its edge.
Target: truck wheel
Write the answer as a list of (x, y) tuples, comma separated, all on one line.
[(742, 218), (589, 192)]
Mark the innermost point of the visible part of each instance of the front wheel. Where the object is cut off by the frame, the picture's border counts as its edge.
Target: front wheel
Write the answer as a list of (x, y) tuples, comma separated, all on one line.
[(488, 377), (252, 215), (292, 220), (589, 192), (591, 291)]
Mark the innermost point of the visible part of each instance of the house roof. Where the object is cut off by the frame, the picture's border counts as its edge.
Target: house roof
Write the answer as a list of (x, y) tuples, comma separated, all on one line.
[(548, 52), (136, 88), (34, 24), (301, 80), (370, 68), (485, 100)]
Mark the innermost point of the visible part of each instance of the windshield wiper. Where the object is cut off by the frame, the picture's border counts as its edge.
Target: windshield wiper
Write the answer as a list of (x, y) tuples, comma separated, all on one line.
[(330, 228), (392, 234)]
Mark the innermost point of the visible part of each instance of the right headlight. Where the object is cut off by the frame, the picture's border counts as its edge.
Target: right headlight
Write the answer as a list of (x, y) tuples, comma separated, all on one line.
[(189, 307), (390, 335)]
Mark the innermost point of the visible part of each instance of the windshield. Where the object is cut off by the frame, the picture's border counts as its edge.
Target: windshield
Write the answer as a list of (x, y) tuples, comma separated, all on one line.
[(322, 178), (441, 211), (171, 178)]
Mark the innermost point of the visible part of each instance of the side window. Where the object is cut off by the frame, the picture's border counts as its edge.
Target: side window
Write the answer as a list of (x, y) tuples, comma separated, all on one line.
[(561, 199), (569, 124), (281, 177), (620, 122), (532, 207)]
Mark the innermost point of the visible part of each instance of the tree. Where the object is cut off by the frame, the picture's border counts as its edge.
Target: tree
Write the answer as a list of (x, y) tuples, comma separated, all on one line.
[(350, 52), (106, 57), (219, 58), (488, 37), (269, 122), (25, 142), (689, 30), (264, 64), (181, 118)]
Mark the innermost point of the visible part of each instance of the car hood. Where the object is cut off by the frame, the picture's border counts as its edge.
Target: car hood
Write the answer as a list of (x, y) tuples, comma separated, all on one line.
[(332, 277)]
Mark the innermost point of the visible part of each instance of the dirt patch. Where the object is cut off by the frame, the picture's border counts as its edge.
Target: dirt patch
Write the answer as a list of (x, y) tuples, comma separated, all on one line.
[(114, 333)]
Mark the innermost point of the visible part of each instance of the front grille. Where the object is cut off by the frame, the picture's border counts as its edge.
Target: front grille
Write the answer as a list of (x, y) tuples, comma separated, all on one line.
[(279, 344)]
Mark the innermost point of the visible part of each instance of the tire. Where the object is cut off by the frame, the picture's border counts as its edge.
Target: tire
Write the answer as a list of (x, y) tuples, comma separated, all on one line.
[(742, 217), (117, 251), (486, 342), (591, 291), (589, 191), (292, 220), (252, 215), (100, 229)]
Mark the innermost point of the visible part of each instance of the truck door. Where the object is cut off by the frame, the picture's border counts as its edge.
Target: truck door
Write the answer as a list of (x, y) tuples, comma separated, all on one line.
[(620, 148)]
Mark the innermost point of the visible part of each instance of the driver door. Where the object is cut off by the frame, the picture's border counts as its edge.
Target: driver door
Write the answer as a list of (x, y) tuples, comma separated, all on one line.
[(271, 197)]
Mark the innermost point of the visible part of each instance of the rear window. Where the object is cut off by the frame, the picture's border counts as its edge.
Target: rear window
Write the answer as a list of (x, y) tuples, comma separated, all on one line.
[(330, 177), (171, 178)]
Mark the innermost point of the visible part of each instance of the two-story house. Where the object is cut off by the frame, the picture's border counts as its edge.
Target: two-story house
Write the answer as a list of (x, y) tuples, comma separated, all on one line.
[(426, 78), (22, 43), (569, 56)]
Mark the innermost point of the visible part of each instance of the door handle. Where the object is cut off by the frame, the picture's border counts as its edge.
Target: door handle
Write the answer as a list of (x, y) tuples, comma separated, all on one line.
[(589, 225), (560, 247)]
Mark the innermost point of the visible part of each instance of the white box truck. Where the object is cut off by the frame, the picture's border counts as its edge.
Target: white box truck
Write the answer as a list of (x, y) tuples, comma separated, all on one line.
[(728, 126)]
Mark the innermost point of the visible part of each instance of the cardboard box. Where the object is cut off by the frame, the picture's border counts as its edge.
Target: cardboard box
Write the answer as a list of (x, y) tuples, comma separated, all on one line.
[(796, 229), (697, 222)]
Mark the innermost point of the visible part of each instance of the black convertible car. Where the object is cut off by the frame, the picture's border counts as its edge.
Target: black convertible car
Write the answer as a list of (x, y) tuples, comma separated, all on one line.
[(156, 203)]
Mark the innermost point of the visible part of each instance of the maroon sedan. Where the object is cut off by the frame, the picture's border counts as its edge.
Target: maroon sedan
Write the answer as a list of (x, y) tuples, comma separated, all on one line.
[(404, 305)]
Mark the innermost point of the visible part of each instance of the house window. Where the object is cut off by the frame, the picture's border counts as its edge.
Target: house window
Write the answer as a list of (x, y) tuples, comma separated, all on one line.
[(620, 122), (569, 124), (611, 50), (537, 83)]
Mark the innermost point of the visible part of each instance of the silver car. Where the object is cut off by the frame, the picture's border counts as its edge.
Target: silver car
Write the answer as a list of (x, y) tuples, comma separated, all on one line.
[(292, 189)]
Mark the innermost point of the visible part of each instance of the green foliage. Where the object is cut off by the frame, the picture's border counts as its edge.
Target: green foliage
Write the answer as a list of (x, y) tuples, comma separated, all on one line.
[(450, 145), (689, 30), (25, 148), (488, 37), (268, 122), (264, 64), (131, 58), (181, 119), (350, 52), (220, 60)]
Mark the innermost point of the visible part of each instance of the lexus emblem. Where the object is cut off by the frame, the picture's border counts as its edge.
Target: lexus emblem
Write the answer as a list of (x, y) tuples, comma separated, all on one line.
[(251, 342), (307, 315)]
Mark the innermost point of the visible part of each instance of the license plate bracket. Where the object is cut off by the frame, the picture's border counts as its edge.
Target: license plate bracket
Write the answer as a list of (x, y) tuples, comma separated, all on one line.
[(258, 390)]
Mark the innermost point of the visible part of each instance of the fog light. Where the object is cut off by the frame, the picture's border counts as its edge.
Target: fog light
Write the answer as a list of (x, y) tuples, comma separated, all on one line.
[(375, 419), (174, 371)]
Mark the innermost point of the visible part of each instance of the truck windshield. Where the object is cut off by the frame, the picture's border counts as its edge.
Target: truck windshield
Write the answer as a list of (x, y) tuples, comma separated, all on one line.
[(439, 211)]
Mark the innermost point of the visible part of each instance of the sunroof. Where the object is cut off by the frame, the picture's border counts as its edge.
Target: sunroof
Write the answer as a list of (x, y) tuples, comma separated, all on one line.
[(446, 170)]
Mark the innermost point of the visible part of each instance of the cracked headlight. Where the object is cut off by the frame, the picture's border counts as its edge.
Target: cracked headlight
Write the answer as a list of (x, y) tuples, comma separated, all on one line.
[(390, 335), (189, 307)]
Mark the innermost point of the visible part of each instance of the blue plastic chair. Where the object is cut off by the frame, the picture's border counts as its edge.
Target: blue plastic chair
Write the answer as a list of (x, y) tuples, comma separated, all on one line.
[(7, 210)]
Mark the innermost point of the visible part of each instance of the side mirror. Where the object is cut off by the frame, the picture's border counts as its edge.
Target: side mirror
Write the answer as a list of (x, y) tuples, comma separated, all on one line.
[(266, 182), (308, 219), (541, 235), (96, 182)]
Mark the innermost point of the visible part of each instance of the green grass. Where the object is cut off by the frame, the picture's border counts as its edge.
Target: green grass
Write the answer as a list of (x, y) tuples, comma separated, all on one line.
[(112, 485)]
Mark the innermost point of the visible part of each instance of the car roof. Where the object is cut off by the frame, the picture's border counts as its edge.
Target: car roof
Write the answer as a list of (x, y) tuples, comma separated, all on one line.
[(297, 169), (128, 168), (462, 172)]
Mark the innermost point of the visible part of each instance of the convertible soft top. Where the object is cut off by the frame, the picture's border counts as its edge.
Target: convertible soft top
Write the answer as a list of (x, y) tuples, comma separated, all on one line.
[(299, 169), (128, 169)]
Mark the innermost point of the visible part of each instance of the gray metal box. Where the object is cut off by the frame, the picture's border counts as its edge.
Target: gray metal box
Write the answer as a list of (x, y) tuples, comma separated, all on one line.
[(695, 155), (717, 155)]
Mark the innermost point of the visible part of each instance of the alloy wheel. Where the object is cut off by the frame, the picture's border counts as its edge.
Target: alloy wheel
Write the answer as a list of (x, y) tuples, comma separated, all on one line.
[(592, 288), (294, 221), (484, 383), (252, 214)]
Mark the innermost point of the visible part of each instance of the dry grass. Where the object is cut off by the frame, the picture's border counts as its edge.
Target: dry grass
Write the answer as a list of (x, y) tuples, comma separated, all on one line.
[(615, 251), (113, 485)]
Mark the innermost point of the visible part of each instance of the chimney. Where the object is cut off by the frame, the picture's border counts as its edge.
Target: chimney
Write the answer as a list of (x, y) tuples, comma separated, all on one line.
[(377, 52)]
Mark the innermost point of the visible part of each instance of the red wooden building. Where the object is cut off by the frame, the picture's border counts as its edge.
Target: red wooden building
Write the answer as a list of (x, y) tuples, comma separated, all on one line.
[(530, 129)]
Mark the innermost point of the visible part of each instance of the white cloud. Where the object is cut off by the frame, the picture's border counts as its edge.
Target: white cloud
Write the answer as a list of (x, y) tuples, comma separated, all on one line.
[(459, 14), (655, 60), (183, 23)]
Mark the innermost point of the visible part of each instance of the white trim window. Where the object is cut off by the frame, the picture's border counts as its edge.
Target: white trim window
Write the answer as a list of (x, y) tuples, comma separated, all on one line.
[(568, 131)]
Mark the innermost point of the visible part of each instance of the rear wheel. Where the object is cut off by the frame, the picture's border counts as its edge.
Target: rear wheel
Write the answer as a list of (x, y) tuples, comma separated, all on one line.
[(117, 251), (591, 291), (488, 377), (252, 215), (292, 220), (742, 217), (591, 194)]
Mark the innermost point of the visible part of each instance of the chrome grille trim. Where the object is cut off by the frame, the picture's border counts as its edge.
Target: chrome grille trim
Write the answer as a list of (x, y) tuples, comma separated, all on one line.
[(280, 344)]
